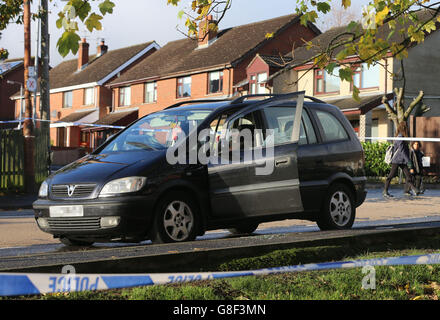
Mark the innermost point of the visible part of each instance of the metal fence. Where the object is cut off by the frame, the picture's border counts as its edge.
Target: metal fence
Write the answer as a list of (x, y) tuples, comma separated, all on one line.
[(12, 159)]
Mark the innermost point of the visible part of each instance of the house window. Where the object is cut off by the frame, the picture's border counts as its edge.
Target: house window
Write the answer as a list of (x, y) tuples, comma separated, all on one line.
[(89, 96), (124, 96), (326, 82), (184, 87), (67, 99), (261, 82), (84, 139), (150, 92), (253, 84), (258, 82), (366, 77), (61, 137), (375, 128), (215, 82)]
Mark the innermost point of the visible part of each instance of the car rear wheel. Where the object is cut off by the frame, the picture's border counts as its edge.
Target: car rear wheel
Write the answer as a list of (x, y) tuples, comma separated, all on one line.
[(74, 242), (339, 209), (176, 219), (244, 228)]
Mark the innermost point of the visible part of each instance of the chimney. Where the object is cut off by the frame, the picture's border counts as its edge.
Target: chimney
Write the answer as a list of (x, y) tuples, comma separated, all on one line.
[(205, 33), (83, 54), (102, 49)]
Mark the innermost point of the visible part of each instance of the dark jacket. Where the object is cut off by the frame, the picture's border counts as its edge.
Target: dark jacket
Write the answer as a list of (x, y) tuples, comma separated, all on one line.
[(416, 159), (401, 153)]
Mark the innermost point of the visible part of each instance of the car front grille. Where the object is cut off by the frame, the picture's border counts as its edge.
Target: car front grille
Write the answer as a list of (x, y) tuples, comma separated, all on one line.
[(72, 191), (74, 224)]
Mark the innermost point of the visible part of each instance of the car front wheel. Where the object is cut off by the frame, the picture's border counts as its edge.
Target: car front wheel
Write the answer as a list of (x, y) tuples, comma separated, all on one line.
[(338, 211), (176, 219)]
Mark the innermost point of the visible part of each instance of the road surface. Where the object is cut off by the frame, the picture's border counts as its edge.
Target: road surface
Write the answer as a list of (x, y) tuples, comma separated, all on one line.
[(18, 228)]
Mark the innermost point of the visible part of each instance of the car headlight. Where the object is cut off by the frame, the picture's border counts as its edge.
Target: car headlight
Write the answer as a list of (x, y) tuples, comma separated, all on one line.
[(124, 185), (44, 190)]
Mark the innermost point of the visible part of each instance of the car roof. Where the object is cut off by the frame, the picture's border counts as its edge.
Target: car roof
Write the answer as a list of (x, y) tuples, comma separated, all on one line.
[(220, 105)]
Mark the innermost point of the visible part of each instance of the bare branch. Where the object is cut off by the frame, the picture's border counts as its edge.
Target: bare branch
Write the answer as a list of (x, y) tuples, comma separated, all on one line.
[(413, 104)]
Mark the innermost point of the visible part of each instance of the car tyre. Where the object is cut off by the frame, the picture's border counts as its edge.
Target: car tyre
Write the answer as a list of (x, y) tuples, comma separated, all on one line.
[(339, 210), (176, 219), (75, 243), (244, 228)]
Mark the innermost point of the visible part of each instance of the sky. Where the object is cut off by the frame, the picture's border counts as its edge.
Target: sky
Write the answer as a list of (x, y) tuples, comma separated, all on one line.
[(139, 21)]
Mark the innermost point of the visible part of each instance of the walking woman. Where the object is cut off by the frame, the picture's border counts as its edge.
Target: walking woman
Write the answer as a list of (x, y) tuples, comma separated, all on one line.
[(401, 159)]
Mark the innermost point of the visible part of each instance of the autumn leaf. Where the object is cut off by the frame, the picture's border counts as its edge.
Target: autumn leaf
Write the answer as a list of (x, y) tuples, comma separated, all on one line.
[(106, 7), (69, 41), (356, 93), (82, 8), (93, 22), (323, 7), (381, 15), (346, 3), (269, 35), (346, 74)]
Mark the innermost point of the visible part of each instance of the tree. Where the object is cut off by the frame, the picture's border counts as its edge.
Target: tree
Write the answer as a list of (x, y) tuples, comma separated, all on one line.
[(402, 18), (73, 13), (339, 17)]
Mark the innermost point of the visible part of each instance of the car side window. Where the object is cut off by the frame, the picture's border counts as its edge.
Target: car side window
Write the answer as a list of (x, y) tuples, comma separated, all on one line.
[(332, 127), (246, 125), (216, 127), (307, 134), (281, 119)]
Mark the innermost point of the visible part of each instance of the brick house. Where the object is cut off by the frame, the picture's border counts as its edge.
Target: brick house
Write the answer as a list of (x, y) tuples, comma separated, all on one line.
[(78, 93), (188, 69), (259, 70), (368, 116), (10, 70)]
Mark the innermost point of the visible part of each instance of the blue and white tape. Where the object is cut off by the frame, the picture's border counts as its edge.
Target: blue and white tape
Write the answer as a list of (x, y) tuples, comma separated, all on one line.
[(13, 284), (67, 123)]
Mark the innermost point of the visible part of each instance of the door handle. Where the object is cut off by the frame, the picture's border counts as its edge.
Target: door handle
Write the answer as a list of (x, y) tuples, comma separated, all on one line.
[(282, 161)]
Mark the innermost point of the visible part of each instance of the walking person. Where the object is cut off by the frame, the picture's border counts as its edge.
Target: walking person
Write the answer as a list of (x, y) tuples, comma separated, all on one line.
[(416, 156), (401, 159)]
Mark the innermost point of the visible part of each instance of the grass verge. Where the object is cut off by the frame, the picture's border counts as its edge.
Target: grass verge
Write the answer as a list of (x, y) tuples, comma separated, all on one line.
[(421, 282)]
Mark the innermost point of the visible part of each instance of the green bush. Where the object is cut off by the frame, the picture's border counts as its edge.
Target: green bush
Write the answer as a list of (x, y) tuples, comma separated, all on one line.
[(375, 165)]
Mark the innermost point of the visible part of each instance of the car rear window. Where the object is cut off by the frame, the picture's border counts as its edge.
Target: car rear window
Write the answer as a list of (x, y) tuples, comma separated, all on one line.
[(332, 127)]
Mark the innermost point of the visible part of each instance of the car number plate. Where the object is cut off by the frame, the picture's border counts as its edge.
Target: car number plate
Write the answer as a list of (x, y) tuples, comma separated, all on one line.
[(66, 211)]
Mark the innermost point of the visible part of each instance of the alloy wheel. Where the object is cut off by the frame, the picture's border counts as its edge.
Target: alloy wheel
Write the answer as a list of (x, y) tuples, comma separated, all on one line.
[(340, 208), (178, 221)]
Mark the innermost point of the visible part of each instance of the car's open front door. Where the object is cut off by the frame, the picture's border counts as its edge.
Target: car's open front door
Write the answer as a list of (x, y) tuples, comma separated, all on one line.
[(268, 180)]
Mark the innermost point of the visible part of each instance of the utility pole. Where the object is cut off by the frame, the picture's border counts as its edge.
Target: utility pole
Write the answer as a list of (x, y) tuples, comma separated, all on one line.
[(44, 83), (29, 165), (37, 63)]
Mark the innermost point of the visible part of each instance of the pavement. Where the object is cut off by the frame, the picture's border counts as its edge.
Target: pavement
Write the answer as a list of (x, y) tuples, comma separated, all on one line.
[(18, 227), (15, 202)]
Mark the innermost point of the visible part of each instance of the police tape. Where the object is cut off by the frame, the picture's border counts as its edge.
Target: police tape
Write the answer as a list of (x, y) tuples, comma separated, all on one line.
[(65, 123), (13, 284), (403, 139)]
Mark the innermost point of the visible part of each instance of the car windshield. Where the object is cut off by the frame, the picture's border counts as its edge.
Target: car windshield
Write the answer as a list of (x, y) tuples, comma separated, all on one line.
[(157, 131)]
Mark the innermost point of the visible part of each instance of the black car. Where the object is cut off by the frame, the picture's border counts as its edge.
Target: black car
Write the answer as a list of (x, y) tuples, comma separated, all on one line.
[(174, 174)]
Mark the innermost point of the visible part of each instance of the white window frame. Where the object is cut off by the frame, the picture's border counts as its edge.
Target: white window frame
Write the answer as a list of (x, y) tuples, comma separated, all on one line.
[(67, 101), (124, 96), (150, 87), (89, 96)]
